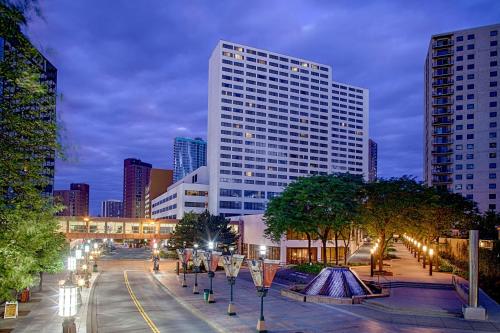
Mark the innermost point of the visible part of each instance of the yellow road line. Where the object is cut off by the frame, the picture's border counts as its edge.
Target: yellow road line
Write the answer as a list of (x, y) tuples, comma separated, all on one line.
[(139, 306)]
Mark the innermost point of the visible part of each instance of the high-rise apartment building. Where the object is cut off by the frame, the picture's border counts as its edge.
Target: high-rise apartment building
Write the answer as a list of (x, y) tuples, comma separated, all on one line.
[(273, 118), (111, 208), (372, 160), (75, 200), (189, 155), (461, 114), (13, 52), (135, 180), (159, 181)]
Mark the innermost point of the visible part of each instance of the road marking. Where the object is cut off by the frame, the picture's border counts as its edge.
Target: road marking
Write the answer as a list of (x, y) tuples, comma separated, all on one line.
[(139, 306)]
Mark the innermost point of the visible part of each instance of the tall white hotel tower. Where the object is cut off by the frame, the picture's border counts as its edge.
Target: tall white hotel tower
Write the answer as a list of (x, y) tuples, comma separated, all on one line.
[(273, 118)]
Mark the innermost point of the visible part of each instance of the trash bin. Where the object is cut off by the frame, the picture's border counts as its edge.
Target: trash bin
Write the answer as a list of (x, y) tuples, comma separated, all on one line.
[(25, 296), (206, 292)]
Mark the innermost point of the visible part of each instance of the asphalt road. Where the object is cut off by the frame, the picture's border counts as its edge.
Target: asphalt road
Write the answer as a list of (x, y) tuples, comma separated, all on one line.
[(127, 298)]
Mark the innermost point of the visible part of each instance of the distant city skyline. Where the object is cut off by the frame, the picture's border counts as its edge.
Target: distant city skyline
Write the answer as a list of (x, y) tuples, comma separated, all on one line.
[(117, 105)]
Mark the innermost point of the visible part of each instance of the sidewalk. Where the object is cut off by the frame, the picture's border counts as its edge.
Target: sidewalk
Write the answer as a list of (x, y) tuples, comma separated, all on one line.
[(285, 315), (41, 313), (436, 298)]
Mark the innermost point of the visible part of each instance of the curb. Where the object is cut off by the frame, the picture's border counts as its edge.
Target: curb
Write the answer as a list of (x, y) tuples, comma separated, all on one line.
[(410, 311), (92, 308)]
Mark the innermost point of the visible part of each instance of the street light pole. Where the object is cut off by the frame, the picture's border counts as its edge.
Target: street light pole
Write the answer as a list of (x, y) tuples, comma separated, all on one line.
[(431, 263), (232, 264), (371, 261), (424, 252), (196, 266)]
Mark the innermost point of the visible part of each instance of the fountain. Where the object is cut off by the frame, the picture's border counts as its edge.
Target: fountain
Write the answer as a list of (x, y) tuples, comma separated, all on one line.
[(336, 285), (337, 282)]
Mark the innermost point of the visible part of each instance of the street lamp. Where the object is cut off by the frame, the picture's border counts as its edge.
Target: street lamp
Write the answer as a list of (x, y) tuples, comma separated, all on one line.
[(262, 271), (372, 251), (211, 261), (68, 300), (184, 256), (424, 252), (232, 264), (156, 258), (196, 266), (431, 253), (418, 251)]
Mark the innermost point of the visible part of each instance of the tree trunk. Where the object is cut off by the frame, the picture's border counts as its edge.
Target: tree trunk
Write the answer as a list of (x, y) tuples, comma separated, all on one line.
[(309, 254), (323, 250), (381, 251), (336, 248), (40, 282)]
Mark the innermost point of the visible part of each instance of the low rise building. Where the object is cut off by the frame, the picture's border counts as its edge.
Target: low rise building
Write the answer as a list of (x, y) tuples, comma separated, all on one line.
[(190, 194), (292, 248)]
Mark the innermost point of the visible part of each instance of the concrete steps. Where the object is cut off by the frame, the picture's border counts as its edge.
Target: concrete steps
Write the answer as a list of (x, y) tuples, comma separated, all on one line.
[(379, 306), (421, 285)]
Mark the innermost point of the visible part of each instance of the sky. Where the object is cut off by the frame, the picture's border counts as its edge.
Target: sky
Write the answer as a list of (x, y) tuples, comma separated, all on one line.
[(132, 75)]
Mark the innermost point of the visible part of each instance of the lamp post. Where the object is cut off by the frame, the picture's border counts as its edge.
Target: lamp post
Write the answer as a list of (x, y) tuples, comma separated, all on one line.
[(156, 258), (372, 250), (184, 257), (424, 253), (96, 246), (262, 271), (232, 264), (68, 300), (211, 261), (196, 266), (431, 262), (418, 251)]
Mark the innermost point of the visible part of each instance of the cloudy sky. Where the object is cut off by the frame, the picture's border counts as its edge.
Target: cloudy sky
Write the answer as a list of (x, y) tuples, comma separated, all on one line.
[(133, 74)]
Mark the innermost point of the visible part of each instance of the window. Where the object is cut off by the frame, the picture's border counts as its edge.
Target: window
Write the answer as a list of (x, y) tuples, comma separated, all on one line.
[(492, 176), (469, 187), (230, 204), (255, 206), (460, 38), (493, 33), (492, 186), (492, 165), (458, 186), (229, 193), (470, 47), (470, 37)]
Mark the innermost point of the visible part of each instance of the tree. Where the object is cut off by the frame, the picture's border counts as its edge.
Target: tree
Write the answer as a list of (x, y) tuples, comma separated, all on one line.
[(388, 205), (488, 224), (29, 238), (319, 205), (202, 228), (290, 211)]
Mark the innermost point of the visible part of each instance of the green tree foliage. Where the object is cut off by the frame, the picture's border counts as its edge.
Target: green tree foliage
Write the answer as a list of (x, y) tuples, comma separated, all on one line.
[(320, 205), (388, 207), (29, 238), (488, 224), (202, 228)]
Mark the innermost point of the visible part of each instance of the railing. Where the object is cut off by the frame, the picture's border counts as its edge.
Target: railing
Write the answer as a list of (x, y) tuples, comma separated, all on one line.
[(443, 82), (442, 92), (441, 63), (442, 170), (447, 121), (443, 151), (442, 161), (442, 53), (442, 111), (442, 72), (442, 43)]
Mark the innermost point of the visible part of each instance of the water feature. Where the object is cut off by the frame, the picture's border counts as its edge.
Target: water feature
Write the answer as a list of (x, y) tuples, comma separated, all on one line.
[(338, 282)]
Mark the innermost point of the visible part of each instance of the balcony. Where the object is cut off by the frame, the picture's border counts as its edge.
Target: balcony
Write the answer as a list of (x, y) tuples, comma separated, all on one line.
[(442, 180), (442, 160), (442, 151), (442, 111), (442, 170), (442, 43), (442, 72), (439, 131), (442, 141), (442, 92), (442, 121), (442, 101), (442, 53), (442, 62), (442, 82)]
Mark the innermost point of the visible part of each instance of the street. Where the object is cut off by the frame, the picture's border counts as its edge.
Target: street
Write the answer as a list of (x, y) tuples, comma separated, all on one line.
[(127, 298)]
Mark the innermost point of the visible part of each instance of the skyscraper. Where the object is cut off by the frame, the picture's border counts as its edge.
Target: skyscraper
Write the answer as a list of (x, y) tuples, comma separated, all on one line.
[(111, 208), (135, 180), (273, 118), (461, 114), (189, 155), (14, 53), (75, 200), (159, 181), (372, 160)]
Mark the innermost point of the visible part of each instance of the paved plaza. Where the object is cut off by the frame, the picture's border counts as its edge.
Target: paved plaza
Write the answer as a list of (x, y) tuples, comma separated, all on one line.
[(127, 297)]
